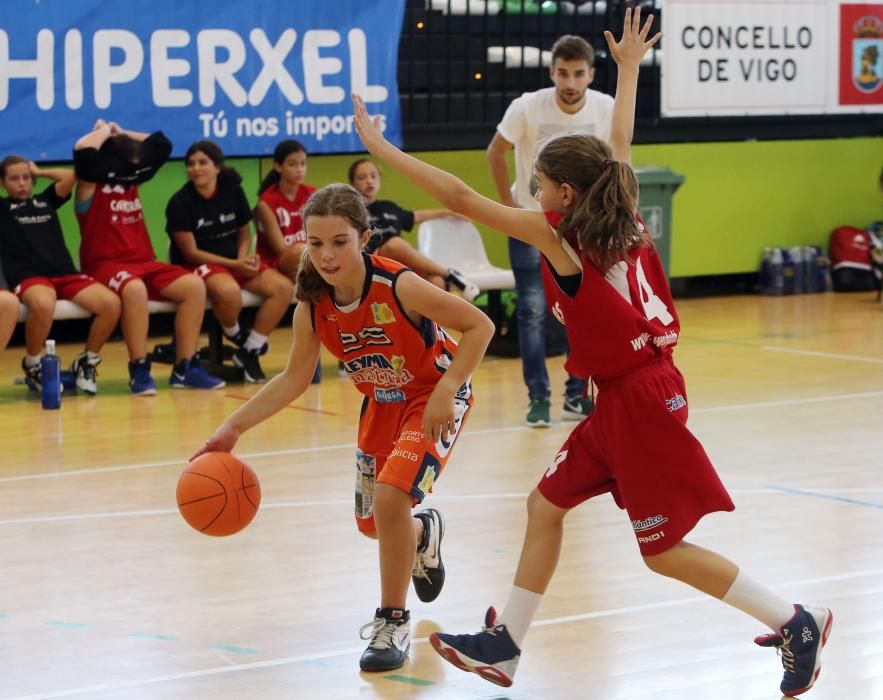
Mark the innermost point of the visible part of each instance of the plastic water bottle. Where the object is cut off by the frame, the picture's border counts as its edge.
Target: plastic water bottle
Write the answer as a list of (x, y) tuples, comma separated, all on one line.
[(774, 275), (810, 263), (50, 377), (796, 255), (787, 271)]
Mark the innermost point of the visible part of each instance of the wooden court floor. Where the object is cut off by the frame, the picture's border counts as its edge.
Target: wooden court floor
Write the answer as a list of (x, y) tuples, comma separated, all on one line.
[(106, 593)]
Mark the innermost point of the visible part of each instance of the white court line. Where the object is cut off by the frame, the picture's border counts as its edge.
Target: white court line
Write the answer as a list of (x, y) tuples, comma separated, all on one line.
[(329, 654), (829, 355), (73, 517), (465, 434)]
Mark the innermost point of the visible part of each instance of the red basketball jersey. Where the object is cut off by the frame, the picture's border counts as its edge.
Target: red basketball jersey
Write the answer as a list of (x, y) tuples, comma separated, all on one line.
[(289, 216), (113, 228), (615, 321), (387, 356)]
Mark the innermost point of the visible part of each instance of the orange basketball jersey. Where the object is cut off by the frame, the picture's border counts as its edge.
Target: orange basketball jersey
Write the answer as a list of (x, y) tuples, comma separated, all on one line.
[(387, 356)]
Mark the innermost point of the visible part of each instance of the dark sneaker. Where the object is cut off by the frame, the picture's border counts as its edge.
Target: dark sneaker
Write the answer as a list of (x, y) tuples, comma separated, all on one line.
[(247, 360), (468, 289), (140, 381), (800, 645), (189, 375), (428, 574), (164, 353), (577, 408), (390, 635), (239, 338), (491, 653), (32, 375), (86, 373), (538, 414)]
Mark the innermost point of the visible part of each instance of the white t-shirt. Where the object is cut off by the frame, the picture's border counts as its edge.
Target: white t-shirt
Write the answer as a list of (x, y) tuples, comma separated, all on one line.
[(535, 117)]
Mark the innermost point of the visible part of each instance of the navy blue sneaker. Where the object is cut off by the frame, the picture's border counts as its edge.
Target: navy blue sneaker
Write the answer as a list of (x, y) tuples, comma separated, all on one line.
[(428, 573), (140, 381), (189, 375), (390, 635), (491, 653), (800, 645)]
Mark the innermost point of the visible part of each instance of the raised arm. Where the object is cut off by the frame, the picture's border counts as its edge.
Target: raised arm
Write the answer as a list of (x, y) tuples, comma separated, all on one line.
[(63, 177), (95, 138), (628, 53), (454, 194)]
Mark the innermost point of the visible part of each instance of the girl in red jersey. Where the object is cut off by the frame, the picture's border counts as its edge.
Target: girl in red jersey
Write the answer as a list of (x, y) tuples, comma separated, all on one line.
[(208, 222), (604, 282), (384, 322), (110, 163), (281, 239)]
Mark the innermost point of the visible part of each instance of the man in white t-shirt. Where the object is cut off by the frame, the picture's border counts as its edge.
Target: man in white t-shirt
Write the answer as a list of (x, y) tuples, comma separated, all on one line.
[(531, 120)]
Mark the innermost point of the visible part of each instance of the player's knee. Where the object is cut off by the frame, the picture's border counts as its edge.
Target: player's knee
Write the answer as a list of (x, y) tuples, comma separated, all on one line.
[(542, 511), (226, 295), (107, 304), (41, 305), (135, 292), (664, 564)]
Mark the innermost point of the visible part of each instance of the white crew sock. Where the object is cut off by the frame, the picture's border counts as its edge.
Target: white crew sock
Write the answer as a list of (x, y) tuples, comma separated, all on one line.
[(93, 358), (255, 340), (32, 360), (519, 613), (231, 331), (760, 602)]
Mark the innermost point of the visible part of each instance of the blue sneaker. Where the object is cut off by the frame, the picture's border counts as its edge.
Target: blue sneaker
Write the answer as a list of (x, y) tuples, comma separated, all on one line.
[(800, 645), (189, 375), (491, 653), (140, 381)]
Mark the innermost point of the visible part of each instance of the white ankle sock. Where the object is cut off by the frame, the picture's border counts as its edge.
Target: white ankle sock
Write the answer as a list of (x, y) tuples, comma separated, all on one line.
[(32, 360), (255, 341), (93, 358), (519, 612), (231, 331), (760, 602)]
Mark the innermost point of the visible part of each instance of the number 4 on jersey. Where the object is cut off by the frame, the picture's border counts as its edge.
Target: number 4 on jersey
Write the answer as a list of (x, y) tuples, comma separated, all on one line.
[(654, 307)]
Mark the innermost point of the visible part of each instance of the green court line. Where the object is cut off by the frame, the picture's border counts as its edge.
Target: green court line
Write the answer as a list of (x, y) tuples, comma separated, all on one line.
[(407, 679), (151, 635), (68, 625), (234, 649)]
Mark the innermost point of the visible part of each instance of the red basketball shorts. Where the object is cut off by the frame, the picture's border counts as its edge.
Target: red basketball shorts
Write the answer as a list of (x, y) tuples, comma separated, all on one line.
[(207, 270), (66, 286), (155, 275), (392, 450), (636, 445)]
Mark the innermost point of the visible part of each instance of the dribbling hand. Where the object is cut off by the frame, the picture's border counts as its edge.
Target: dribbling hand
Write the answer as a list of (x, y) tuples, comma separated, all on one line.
[(629, 51), (224, 439)]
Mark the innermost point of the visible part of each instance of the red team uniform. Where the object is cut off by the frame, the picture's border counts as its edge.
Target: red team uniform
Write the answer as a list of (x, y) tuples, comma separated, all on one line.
[(289, 216), (621, 329), (396, 365)]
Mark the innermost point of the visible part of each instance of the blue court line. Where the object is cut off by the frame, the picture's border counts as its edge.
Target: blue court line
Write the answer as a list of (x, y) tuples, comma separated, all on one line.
[(814, 494), (234, 649), (68, 625), (151, 635)]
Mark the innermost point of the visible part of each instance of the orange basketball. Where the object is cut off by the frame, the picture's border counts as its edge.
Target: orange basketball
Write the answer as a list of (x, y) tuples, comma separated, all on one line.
[(218, 494)]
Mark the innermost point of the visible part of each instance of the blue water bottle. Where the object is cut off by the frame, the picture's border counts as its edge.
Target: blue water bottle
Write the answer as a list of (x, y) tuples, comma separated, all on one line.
[(50, 377)]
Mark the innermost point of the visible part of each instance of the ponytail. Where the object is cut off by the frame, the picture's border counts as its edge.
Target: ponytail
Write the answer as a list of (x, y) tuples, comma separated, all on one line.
[(309, 284), (603, 216), (280, 153)]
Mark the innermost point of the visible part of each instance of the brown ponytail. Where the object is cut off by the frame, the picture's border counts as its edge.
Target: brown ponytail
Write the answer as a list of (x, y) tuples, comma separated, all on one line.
[(603, 215), (332, 200)]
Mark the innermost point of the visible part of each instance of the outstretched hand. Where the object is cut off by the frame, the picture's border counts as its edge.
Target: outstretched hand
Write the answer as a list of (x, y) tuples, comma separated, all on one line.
[(629, 51), (367, 126), (224, 439)]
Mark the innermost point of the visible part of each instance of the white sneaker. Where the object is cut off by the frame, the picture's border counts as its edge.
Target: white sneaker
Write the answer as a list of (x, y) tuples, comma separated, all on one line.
[(86, 373), (468, 289)]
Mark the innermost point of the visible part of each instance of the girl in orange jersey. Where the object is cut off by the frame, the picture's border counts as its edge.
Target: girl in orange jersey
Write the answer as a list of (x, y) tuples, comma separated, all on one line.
[(384, 322)]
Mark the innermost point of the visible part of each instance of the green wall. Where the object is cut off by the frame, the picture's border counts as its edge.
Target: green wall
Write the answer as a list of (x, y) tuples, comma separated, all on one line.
[(737, 199)]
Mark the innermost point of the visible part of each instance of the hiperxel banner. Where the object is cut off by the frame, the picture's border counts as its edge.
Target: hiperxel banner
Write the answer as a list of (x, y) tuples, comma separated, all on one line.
[(243, 73)]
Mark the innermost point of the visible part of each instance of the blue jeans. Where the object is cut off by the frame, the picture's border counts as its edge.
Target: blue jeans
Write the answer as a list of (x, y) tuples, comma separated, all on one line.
[(530, 310)]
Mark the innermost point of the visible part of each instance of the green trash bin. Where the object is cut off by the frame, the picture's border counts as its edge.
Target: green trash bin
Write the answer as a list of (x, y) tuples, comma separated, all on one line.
[(658, 186)]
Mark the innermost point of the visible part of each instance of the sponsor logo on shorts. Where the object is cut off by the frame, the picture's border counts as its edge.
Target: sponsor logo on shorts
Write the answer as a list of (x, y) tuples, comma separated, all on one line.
[(388, 395), (648, 523), (674, 403), (651, 538)]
